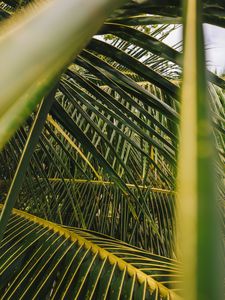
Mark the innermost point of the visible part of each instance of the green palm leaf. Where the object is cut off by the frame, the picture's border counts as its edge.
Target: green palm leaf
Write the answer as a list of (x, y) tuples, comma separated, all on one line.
[(42, 259)]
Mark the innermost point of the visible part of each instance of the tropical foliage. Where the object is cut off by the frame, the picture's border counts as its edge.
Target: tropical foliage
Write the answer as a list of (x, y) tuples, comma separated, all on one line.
[(90, 143)]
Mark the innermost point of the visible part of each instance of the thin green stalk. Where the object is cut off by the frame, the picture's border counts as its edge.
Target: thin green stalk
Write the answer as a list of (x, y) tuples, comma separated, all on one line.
[(197, 202), (28, 150)]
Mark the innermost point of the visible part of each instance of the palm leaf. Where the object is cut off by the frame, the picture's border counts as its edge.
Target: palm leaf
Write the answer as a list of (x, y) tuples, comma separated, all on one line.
[(77, 264), (31, 84)]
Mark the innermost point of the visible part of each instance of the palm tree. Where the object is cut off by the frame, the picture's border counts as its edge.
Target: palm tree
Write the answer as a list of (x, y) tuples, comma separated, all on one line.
[(89, 149)]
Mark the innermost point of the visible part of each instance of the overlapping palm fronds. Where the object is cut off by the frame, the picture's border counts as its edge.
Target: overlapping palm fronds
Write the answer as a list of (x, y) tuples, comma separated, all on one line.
[(106, 159)]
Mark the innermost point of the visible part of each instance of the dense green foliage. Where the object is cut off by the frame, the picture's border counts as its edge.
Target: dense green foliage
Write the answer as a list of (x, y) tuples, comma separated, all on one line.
[(106, 159)]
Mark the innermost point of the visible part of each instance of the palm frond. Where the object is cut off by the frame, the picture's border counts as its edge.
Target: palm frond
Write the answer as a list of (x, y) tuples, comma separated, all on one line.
[(78, 264)]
